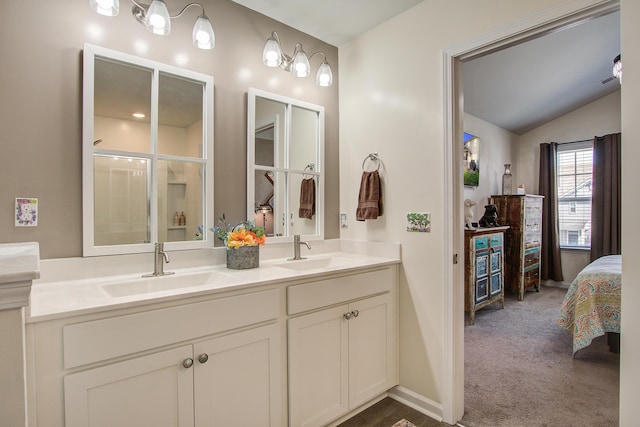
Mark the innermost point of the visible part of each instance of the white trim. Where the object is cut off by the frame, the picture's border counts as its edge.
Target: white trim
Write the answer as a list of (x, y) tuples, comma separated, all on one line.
[(319, 172), (416, 401), (565, 14)]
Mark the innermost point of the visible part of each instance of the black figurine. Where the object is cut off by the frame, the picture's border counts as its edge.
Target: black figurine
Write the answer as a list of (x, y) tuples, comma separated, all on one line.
[(490, 217)]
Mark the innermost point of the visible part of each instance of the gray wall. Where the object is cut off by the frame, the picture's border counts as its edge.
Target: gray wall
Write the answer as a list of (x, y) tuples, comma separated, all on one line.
[(41, 106)]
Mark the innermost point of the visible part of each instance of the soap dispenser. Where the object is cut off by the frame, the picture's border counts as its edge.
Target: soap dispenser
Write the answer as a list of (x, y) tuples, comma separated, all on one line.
[(183, 219), (176, 219)]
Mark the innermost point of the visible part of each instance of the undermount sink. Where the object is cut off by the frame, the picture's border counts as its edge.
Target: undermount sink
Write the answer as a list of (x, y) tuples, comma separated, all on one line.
[(310, 264), (144, 285)]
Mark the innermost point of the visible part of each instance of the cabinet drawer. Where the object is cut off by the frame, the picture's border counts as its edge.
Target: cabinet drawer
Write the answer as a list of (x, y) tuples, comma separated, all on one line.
[(532, 277), (99, 340), (495, 240), (481, 243), (531, 257), (326, 292)]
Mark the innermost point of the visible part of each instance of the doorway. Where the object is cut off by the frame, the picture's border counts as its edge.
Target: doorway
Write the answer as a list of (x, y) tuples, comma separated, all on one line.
[(535, 26)]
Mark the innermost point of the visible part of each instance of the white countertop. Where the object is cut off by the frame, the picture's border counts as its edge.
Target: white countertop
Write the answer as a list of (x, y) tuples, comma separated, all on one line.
[(19, 262), (81, 295), (19, 266)]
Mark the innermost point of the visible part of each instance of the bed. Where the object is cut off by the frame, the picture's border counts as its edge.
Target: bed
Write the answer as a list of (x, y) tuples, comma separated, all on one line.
[(591, 307)]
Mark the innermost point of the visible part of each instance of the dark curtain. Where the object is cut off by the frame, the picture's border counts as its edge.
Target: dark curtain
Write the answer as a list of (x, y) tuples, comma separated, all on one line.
[(550, 261), (606, 196)]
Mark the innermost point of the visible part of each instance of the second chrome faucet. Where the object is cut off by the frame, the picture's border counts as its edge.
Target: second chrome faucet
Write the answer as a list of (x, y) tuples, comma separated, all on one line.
[(296, 248)]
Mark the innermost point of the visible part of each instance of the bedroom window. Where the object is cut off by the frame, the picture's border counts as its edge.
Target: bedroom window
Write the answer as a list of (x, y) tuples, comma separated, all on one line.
[(574, 177)]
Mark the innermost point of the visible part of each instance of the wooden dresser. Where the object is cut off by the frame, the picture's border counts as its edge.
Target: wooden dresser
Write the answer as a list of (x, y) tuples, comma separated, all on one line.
[(523, 215), (483, 265)]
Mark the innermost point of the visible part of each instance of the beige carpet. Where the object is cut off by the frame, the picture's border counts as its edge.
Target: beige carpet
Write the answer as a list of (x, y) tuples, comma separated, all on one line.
[(519, 371)]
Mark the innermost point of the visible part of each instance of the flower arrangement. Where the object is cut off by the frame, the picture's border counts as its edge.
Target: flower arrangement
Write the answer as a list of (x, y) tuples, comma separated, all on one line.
[(243, 234)]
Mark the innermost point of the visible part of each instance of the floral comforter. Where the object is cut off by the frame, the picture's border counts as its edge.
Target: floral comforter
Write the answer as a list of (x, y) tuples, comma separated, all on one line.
[(592, 304)]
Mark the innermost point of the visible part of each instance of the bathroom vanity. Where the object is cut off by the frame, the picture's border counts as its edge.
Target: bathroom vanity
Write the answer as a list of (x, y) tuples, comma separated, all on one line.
[(299, 343)]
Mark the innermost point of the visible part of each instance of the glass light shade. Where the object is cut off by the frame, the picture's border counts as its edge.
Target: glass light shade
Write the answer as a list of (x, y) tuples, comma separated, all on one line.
[(617, 70), (105, 7), (272, 55), (301, 67), (324, 76), (157, 18), (203, 36)]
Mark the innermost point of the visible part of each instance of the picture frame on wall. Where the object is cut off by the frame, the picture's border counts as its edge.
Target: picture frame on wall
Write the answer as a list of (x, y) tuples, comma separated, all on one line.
[(471, 155)]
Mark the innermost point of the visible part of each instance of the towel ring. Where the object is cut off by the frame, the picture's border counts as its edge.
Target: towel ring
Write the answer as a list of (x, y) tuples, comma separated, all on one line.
[(310, 167), (374, 158)]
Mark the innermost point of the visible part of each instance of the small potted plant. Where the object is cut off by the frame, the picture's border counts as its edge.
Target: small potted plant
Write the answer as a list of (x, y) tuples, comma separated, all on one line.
[(242, 242)]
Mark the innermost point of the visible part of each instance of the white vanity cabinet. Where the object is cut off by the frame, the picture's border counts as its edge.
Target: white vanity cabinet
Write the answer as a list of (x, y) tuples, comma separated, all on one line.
[(301, 348), (343, 348), (231, 380), (207, 362)]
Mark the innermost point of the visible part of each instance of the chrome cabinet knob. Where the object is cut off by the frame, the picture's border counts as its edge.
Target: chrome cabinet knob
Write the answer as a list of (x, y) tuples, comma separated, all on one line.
[(187, 363), (355, 313), (203, 358), (347, 315)]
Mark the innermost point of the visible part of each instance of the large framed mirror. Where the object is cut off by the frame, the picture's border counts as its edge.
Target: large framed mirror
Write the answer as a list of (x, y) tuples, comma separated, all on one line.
[(147, 154), (285, 155)]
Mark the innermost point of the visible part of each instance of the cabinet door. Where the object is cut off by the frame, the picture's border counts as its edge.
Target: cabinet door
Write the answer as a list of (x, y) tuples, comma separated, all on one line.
[(237, 379), (154, 390), (481, 287), (318, 364), (372, 348)]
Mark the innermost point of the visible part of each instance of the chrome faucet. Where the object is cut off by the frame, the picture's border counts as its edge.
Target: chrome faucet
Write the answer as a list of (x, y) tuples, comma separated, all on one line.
[(296, 248), (159, 258)]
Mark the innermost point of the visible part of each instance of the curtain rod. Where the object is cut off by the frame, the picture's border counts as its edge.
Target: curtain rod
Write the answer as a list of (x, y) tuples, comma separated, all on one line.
[(575, 142)]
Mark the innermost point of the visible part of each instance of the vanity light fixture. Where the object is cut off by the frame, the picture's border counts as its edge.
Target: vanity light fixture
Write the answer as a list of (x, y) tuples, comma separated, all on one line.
[(617, 67), (297, 63), (155, 17), (138, 115)]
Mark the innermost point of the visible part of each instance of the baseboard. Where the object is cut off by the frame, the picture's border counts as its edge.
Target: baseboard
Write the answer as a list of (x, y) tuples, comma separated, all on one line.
[(418, 402), (357, 410)]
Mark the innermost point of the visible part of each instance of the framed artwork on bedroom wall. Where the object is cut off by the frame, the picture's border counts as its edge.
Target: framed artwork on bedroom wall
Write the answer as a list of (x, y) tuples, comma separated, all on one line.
[(471, 160)]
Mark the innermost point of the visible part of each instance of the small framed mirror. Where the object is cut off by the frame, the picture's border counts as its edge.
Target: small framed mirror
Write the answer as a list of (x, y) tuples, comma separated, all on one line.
[(285, 154)]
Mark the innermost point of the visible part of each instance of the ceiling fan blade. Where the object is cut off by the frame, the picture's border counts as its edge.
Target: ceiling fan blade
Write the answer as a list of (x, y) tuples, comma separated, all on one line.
[(605, 81)]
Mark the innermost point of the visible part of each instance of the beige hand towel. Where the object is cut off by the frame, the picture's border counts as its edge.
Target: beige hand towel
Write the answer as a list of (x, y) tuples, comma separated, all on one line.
[(370, 197), (307, 199)]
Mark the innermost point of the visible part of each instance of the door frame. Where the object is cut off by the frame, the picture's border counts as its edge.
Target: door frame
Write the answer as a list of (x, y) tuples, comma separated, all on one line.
[(556, 18)]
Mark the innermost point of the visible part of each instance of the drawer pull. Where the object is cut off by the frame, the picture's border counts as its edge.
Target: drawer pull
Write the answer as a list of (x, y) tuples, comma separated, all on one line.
[(355, 313), (203, 358), (187, 363), (347, 315)]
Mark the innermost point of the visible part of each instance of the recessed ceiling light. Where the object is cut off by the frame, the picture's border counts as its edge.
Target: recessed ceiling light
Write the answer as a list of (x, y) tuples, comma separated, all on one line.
[(138, 115)]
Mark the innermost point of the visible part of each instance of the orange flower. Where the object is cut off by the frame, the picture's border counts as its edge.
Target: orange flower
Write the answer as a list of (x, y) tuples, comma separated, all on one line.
[(243, 237)]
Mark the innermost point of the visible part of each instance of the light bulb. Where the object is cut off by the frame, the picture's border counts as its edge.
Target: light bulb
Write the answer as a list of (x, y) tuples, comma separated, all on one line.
[(324, 77), (203, 36), (272, 55), (301, 67), (157, 18), (617, 68)]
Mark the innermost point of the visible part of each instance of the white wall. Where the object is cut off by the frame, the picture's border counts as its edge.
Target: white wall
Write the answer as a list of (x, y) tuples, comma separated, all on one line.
[(598, 118), (391, 91), (495, 150)]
